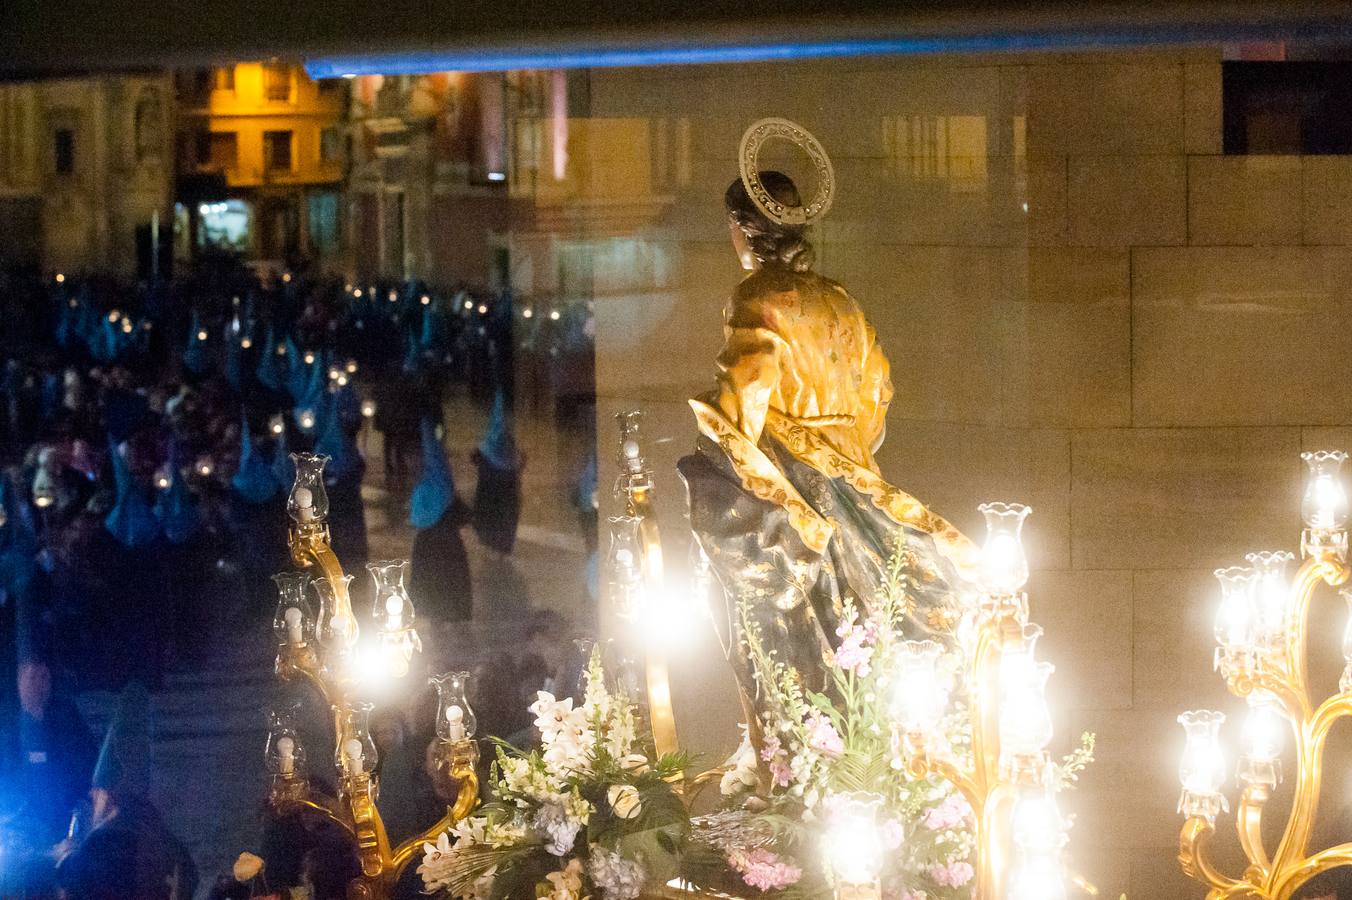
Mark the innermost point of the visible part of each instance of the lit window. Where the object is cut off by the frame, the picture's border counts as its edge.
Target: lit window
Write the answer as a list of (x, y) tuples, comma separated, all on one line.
[(277, 151), (224, 78)]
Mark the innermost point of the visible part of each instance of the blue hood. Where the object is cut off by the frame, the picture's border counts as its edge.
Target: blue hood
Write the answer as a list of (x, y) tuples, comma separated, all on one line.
[(131, 520), (497, 445), (253, 479), (435, 491)]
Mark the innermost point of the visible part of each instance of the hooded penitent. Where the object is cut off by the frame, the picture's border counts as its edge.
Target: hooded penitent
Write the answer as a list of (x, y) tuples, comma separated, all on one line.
[(234, 359), (123, 767), (130, 521), (283, 469), (497, 495), (175, 507), (18, 541), (334, 442), (270, 371), (253, 479), (435, 491), (498, 447), (196, 356)]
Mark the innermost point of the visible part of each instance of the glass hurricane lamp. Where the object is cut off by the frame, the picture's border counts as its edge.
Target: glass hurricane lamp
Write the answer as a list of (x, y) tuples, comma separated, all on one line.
[(1004, 564), (308, 502), (455, 717), (294, 621), (1201, 771)]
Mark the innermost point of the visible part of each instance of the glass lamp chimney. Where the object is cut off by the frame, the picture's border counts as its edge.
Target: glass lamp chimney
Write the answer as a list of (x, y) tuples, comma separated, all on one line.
[(922, 692), (1236, 626), (284, 753), (1025, 718), (1264, 727), (455, 717), (1324, 505), (294, 621), (854, 847), (393, 615), (624, 566), (308, 501), (1004, 565), (334, 631), (357, 753), (1202, 768), (1270, 595)]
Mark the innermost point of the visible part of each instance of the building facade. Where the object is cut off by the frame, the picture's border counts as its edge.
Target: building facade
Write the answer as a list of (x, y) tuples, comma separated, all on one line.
[(261, 159), (86, 172)]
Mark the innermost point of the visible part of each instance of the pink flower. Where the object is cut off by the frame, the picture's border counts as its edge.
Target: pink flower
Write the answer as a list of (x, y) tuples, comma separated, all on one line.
[(955, 874), (764, 870), (949, 814), (854, 654), (773, 753), (822, 735), (892, 834)]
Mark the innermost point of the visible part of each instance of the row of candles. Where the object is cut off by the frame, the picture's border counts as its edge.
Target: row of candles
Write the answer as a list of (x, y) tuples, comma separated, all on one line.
[(1252, 627), (1034, 826), (469, 305), (285, 752)]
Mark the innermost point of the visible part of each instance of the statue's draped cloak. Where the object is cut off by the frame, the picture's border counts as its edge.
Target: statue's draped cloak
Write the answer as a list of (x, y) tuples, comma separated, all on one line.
[(785, 496)]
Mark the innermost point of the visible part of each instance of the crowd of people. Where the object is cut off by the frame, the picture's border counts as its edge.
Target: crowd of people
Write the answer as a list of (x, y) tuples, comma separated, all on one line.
[(145, 441)]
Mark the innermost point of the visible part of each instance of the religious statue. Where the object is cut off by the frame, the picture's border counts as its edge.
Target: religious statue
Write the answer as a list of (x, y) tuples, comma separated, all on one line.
[(786, 498)]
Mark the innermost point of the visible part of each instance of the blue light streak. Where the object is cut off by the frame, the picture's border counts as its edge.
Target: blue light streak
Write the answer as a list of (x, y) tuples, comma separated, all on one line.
[(600, 55)]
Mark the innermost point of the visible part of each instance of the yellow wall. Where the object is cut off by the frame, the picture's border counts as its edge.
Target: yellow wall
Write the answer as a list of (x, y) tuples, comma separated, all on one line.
[(246, 111)]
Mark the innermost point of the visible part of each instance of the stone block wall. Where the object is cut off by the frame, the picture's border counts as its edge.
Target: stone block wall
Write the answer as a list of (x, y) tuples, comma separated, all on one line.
[(1088, 309)]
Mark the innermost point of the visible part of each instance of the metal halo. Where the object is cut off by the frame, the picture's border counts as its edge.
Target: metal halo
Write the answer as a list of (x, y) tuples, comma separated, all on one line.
[(747, 161)]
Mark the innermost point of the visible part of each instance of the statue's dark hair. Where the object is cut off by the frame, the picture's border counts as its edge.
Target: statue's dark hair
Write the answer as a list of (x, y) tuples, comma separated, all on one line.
[(770, 241)]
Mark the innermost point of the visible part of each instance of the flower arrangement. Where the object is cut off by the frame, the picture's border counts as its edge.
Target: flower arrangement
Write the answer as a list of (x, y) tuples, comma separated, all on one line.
[(833, 756), (587, 815)]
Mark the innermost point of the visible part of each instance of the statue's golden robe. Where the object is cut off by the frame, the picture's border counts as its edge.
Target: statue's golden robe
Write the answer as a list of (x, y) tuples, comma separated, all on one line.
[(785, 496)]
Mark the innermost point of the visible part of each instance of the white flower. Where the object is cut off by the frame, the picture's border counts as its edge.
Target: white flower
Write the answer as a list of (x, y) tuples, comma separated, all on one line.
[(634, 762), (617, 877), (624, 800), (471, 830), (506, 834), (620, 730), (437, 865), (558, 828), (742, 774), (566, 884), (247, 867), (520, 776), (565, 734), (735, 781)]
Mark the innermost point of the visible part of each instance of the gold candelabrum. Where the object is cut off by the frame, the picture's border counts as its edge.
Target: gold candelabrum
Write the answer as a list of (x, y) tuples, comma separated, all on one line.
[(326, 651), (1262, 629), (1007, 778), (638, 591)]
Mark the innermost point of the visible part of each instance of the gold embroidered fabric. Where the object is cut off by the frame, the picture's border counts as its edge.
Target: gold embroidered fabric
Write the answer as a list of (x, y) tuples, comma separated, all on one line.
[(798, 343), (803, 364)]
